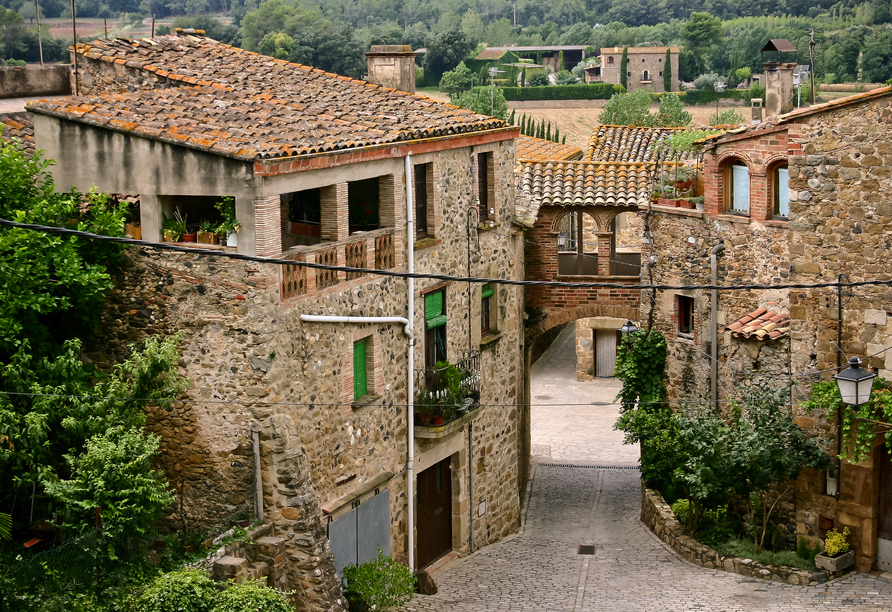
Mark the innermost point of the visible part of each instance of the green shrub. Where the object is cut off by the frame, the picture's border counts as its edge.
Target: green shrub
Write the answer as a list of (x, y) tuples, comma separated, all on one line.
[(380, 583), (682, 510), (250, 596), (589, 91), (803, 551), (186, 590), (747, 550), (540, 79)]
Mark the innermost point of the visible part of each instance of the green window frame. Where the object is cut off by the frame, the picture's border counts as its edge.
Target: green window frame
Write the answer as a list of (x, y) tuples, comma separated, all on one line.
[(360, 373), (486, 309), (433, 310)]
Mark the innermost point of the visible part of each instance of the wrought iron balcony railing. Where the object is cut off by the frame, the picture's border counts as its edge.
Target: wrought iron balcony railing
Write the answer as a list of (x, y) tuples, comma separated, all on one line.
[(448, 392)]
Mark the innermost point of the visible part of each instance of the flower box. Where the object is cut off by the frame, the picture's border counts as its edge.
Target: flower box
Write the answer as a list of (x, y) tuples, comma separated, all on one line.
[(207, 237), (133, 230), (835, 564), (667, 202)]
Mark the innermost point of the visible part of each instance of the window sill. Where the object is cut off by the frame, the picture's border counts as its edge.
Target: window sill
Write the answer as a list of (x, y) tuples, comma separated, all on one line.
[(685, 338), (428, 241), (489, 340), (365, 400), (487, 228), (776, 222), (733, 217)]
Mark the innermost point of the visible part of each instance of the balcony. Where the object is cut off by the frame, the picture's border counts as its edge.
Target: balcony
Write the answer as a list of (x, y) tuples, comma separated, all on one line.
[(373, 249), (447, 394)]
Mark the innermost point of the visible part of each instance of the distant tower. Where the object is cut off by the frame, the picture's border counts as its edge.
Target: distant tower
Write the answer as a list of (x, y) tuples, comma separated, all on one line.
[(392, 66)]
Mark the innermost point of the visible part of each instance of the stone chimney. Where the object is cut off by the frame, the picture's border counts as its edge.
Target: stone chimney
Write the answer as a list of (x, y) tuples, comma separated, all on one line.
[(392, 66), (778, 88)]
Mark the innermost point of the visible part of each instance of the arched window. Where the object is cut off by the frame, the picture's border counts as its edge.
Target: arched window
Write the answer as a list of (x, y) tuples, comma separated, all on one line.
[(646, 76), (780, 188), (737, 187), (610, 60)]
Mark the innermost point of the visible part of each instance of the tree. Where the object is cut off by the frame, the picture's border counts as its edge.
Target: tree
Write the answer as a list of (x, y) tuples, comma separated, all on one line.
[(11, 33), (624, 69), (876, 62), (540, 79), (672, 112), (627, 109), (728, 117), (564, 77), (445, 50), (456, 81), (484, 101), (702, 32), (667, 72)]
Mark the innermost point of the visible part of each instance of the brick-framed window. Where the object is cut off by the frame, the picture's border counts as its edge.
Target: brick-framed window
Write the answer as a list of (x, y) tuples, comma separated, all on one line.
[(486, 199), (780, 191), (487, 310), (684, 309), (736, 187), (422, 192), (363, 369), (435, 328)]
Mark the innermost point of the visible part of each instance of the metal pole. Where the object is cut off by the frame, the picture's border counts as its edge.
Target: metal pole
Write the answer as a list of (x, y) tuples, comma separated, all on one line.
[(39, 37), (258, 475), (838, 368), (74, 45), (714, 349), (471, 482), (811, 78), (410, 459)]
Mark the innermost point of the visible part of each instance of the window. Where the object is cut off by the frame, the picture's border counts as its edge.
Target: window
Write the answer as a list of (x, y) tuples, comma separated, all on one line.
[(609, 60), (484, 184), (645, 76), (642, 60), (435, 328), (661, 73), (629, 73), (360, 368), (661, 61), (685, 309), (486, 310), (781, 180), (737, 188), (363, 203), (421, 172)]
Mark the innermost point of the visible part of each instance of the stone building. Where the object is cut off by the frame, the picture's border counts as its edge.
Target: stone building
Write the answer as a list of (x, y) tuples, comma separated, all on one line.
[(644, 69), (797, 199), (320, 167)]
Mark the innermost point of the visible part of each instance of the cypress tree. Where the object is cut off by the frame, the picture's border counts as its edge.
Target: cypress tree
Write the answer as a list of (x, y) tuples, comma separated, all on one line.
[(548, 131), (564, 141), (523, 125), (541, 132), (523, 76), (511, 118), (624, 69), (557, 134), (667, 72)]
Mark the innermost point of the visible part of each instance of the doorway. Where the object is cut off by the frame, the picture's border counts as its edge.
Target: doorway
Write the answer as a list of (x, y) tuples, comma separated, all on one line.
[(884, 527), (605, 341), (434, 512)]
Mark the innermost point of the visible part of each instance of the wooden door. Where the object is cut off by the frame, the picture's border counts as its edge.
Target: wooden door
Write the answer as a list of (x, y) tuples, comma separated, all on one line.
[(434, 529), (605, 352), (884, 528)]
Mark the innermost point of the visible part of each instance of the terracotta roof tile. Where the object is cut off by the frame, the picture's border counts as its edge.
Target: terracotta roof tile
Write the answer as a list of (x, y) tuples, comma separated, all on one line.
[(18, 126), (256, 106), (538, 149), (623, 143), (833, 104), (762, 324), (580, 183)]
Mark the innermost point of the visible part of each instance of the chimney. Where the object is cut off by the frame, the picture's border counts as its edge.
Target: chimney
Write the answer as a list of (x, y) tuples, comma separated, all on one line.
[(392, 66), (778, 88)]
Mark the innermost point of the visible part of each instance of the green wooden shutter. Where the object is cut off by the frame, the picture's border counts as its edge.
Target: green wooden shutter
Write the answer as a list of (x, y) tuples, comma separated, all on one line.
[(360, 379), (433, 310), (488, 291)]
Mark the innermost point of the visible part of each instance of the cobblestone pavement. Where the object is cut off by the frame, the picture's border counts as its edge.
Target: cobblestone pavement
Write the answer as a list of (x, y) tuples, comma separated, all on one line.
[(539, 568)]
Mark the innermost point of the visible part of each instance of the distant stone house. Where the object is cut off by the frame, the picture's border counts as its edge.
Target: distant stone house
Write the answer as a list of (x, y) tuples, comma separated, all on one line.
[(644, 69), (320, 167), (800, 198)]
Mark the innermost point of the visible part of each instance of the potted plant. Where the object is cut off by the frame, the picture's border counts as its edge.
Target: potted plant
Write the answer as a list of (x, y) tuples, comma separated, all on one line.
[(378, 583), (836, 555), (230, 226), (169, 229), (207, 233), (424, 406), (180, 226), (699, 202), (683, 178)]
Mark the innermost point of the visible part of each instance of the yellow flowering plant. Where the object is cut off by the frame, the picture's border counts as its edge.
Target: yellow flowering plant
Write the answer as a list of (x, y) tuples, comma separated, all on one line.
[(836, 542)]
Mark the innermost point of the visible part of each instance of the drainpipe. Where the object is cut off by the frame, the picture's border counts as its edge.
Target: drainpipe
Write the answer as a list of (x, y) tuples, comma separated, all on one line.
[(409, 329), (258, 475), (714, 265)]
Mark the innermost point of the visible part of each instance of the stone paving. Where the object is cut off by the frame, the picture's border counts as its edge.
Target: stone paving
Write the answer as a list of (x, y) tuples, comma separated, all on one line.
[(631, 570)]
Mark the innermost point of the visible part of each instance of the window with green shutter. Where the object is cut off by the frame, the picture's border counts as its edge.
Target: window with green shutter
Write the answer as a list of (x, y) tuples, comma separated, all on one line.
[(486, 309), (433, 310), (360, 377)]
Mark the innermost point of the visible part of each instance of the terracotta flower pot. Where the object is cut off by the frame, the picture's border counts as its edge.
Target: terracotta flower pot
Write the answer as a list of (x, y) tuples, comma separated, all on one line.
[(436, 420), (188, 237)]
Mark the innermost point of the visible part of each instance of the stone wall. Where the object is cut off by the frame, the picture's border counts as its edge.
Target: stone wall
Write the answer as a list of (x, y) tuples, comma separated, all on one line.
[(31, 81), (658, 516)]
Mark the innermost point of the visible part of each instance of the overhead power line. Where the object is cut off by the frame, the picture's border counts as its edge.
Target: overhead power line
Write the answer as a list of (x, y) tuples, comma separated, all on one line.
[(164, 246)]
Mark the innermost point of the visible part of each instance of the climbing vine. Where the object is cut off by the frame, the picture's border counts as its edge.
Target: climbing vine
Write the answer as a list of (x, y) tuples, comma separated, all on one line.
[(859, 427), (640, 362)]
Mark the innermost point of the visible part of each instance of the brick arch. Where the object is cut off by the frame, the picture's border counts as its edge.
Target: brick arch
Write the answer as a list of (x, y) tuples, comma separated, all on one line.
[(774, 160), (722, 159), (572, 211), (560, 317)]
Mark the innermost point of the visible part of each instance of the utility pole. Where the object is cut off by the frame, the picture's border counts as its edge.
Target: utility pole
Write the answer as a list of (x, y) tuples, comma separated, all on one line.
[(39, 39), (811, 64)]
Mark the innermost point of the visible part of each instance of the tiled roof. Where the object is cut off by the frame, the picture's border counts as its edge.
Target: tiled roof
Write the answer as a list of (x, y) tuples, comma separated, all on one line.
[(762, 324), (579, 183), (833, 104), (19, 126), (246, 105), (538, 149), (622, 143), (491, 53), (640, 49)]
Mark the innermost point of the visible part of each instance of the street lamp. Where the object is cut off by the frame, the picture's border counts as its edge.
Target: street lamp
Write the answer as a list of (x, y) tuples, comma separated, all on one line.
[(628, 327), (562, 240), (855, 383)]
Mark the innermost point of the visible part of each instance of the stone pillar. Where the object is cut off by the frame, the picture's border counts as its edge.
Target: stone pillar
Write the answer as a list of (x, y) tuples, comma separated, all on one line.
[(335, 212), (244, 212), (392, 66), (267, 226), (778, 88), (604, 239), (150, 219)]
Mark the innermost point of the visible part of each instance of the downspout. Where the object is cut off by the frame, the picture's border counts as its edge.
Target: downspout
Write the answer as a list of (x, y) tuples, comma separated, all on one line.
[(714, 266), (410, 461)]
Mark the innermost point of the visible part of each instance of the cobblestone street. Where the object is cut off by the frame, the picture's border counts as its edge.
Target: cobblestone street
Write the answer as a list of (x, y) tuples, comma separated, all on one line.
[(573, 503)]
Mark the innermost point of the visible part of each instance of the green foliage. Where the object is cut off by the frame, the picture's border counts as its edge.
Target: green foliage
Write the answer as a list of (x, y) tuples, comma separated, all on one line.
[(715, 527), (627, 109), (682, 510), (876, 62), (484, 101), (5, 526), (836, 542), (743, 74), (564, 77), (229, 225), (587, 91), (540, 79), (185, 590), (726, 117), (380, 583), (707, 81), (579, 69), (683, 141), (667, 72), (805, 552), (251, 595), (624, 70), (640, 363), (671, 113), (746, 549), (445, 50), (456, 81)]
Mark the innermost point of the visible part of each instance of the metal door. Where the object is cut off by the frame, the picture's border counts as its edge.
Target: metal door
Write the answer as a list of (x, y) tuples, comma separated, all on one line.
[(434, 512), (605, 352), (884, 528)]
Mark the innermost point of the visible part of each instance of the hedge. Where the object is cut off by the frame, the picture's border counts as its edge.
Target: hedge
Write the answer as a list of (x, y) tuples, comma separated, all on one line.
[(704, 96), (589, 91)]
